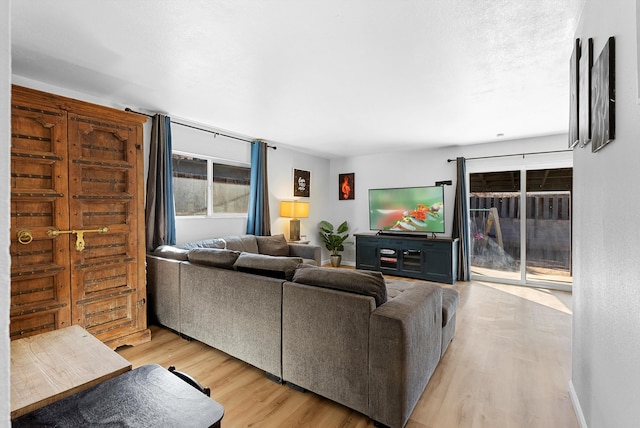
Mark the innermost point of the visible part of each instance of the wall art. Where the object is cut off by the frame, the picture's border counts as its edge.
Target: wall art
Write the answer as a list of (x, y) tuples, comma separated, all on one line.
[(638, 46), (603, 97), (301, 183), (574, 95), (584, 94), (346, 186)]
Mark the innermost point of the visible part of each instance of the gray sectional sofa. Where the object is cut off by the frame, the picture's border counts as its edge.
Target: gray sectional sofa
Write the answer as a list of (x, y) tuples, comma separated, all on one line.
[(368, 343)]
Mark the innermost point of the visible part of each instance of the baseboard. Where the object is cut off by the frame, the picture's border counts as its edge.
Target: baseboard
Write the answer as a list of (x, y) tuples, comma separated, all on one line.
[(576, 406)]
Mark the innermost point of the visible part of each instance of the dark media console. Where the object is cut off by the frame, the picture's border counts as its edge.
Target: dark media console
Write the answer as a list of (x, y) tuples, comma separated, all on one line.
[(430, 259)]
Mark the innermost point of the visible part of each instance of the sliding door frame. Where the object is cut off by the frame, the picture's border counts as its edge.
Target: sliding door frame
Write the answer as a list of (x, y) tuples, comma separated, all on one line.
[(523, 164)]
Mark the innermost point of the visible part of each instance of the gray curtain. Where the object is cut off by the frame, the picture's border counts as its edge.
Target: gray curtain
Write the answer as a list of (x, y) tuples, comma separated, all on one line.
[(461, 221), (160, 218), (258, 218)]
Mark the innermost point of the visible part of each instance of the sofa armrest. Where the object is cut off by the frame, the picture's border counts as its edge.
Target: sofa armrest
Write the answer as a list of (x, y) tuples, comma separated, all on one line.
[(405, 337), (306, 251), (163, 290)]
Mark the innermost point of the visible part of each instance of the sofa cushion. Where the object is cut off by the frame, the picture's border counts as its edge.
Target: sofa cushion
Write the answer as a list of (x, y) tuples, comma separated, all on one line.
[(273, 245), (171, 252), (263, 264), (396, 287), (205, 243), (367, 283), (217, 257), (450, 301), (246, 243)]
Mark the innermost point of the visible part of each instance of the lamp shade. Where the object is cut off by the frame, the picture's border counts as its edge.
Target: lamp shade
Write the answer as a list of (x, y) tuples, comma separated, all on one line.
[(294, 209)]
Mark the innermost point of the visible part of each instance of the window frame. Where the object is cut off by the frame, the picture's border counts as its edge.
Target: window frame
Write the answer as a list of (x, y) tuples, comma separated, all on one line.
[(211, 160)]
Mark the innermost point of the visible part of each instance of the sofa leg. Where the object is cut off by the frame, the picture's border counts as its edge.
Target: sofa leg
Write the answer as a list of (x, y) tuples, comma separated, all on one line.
[(185, 337), (295, 387), (379, 424), (274, 378)]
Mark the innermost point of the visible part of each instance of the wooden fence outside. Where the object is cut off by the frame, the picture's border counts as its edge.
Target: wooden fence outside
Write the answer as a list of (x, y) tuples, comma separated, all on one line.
[(548, 225)]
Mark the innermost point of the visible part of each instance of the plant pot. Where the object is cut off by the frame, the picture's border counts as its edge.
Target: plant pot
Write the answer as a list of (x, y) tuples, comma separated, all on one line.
[(336, 260)]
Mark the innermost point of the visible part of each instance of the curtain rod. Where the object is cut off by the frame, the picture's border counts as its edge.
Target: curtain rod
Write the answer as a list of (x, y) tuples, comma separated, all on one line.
[(201, 129), (515, 154)]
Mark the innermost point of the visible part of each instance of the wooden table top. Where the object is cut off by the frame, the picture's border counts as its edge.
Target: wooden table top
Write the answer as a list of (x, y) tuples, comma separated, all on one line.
[(53, 365)]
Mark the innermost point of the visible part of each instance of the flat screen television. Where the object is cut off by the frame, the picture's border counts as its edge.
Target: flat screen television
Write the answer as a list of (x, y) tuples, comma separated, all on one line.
[(407, 209)]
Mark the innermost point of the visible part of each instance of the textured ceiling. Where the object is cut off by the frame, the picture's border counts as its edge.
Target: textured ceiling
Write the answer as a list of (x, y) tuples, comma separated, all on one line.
[(334, 77)]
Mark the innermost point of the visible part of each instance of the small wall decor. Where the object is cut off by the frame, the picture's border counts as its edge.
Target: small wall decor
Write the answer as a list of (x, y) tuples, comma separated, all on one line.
[(574, 91), (346, 186), (301, 183), (638, 46), (603, 97), (584, 95)]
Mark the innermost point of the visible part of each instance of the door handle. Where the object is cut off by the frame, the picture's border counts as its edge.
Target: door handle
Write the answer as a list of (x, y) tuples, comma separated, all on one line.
[(79, 235), (25, 236)]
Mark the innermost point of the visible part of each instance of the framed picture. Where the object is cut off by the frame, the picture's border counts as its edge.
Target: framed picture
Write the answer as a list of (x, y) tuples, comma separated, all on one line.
[(301, 183), (574, 92), (638, 46), (584, 94), (603, 97), (346, 186)]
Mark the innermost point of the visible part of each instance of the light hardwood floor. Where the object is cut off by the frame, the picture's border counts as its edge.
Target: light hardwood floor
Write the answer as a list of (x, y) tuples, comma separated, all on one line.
[(508, 366)]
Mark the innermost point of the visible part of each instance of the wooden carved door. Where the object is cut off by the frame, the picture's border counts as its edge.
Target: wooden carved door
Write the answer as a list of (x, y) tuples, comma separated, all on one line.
[(97, 232), (105, 157), (40, 293)]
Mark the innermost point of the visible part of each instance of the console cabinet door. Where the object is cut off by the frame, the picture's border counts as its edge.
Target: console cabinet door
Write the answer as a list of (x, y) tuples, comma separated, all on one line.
[(440, 263), (367, 256)]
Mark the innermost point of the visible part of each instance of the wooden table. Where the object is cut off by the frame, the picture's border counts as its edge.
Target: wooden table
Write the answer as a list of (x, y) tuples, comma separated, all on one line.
[(56, 364), (149, 396)]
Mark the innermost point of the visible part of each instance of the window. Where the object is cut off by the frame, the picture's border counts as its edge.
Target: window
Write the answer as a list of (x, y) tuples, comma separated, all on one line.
[(206, 187)]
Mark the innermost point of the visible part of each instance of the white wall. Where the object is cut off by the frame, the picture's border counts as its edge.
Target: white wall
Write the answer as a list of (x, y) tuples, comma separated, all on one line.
[(424, 168), (5, 261), (605, 378), (282, 162)]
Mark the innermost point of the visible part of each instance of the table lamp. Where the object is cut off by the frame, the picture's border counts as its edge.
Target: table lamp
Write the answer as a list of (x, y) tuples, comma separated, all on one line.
[(294, 210)]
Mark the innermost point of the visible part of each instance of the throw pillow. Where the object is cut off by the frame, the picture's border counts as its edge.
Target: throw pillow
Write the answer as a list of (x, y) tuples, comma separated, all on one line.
[(246, 243), (367, 283), (263, 264), (273, 245), (214, 257), (171, 252)]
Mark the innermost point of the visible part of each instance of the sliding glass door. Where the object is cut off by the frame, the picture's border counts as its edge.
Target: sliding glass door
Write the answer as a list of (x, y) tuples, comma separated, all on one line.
[(548, 250), (494, 211), (521, 234)]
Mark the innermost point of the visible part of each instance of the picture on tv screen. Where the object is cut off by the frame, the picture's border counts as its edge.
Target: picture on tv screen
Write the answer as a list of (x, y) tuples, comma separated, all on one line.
[(407, 209)]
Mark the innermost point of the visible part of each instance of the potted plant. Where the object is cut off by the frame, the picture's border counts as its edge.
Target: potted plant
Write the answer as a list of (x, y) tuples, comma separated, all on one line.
[(334, 240)]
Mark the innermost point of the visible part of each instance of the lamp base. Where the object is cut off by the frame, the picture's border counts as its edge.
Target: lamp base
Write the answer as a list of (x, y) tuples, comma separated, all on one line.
[(294, 229)]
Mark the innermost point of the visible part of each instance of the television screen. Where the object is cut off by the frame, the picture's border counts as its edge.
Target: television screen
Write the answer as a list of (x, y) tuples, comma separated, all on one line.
[(407, 209)]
